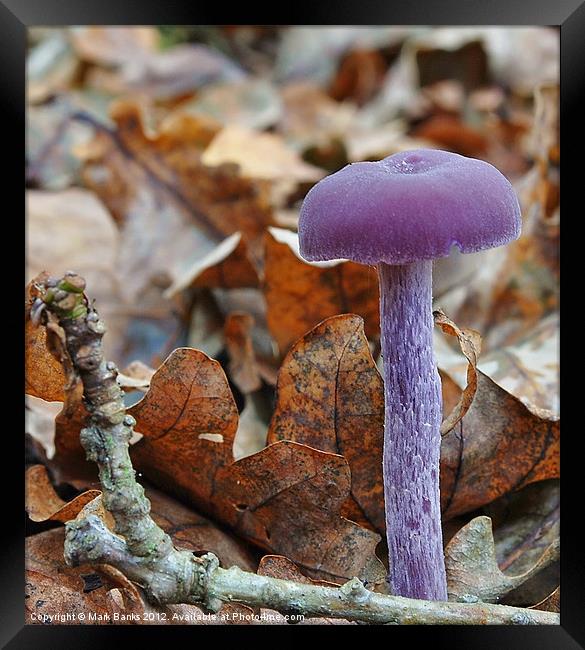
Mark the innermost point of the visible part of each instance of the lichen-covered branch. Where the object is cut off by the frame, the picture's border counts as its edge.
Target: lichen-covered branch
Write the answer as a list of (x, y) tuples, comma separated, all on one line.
[(144, 552)]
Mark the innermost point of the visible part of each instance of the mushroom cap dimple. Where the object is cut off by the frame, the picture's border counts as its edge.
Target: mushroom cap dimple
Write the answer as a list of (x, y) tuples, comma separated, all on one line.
[(410, 206)]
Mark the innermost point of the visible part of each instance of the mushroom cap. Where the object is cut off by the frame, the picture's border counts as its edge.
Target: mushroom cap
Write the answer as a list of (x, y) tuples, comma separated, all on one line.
[(410, 206)]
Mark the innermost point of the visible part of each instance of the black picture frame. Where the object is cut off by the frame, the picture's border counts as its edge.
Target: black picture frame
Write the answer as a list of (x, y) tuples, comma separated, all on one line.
[(17, 15)]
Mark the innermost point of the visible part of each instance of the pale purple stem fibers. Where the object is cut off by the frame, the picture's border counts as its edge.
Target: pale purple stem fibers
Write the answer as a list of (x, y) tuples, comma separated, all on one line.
[(412, 438)]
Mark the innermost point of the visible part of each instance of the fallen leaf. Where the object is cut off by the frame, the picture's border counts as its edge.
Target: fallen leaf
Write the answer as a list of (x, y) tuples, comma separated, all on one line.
[(529, 370), (498, 447), (72, 229), (470, 343), (450, 133), (173, 208), (43, 503), (287, 499), (359, 76), (52, 589), (228, 266), (40, 422), (188, 419), (526, 523), (311, 117), (139, 372), (330, 397), (250, 103), (472, 567), (43, 374), (259, 155), (300, 294)]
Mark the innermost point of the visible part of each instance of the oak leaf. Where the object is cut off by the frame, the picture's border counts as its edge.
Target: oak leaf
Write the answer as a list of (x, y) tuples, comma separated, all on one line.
[(299, 294), (330, 397)]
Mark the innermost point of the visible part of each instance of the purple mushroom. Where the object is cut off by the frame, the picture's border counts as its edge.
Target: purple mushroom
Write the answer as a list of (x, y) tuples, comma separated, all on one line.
[(399, 214)]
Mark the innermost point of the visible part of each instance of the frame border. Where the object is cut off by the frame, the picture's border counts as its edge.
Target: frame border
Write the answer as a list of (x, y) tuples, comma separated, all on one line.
[(569, 15)]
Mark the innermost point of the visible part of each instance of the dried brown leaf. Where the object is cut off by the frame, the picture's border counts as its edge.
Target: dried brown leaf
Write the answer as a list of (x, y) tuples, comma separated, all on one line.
[(300, 294), (43, 503), (498, 447), (472, 566), (174, 208), (228, 266), (43, 374), (287, 499), (470, 343), (54, 589), (188, 419), (526, 523), (330, 397), (259, 155)]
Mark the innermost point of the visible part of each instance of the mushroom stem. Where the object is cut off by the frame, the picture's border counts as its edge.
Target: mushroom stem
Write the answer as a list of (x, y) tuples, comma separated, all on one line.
[(412, 439)]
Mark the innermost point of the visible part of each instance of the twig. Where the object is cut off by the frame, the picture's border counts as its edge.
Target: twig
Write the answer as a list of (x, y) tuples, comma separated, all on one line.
[(145, 553)]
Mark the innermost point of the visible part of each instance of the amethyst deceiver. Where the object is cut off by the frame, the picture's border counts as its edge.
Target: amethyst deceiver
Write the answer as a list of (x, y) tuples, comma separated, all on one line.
[(399, 214)]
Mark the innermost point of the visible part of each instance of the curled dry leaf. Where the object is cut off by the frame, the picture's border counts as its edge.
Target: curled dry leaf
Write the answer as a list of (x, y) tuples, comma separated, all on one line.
[(330, 397), (529, 370), (40, 426), (136, 376), (43, 503), (470, 343), (499, 446), (472, 566), (300, 294), (277, 566)]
